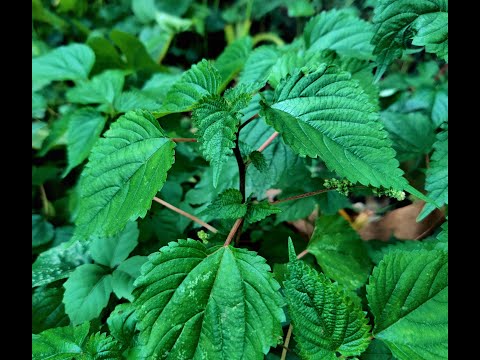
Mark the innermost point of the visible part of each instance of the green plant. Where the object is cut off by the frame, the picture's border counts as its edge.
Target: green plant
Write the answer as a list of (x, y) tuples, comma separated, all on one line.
[(170, 192)]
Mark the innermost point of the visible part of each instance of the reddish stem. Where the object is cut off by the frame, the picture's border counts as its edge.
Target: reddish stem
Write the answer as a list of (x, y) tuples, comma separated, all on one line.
[(268, 141), (179, 140), (187, 215), (233, 231)]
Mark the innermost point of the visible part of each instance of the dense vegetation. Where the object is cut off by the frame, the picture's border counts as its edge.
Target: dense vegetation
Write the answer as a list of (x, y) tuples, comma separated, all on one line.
[(239, 179)]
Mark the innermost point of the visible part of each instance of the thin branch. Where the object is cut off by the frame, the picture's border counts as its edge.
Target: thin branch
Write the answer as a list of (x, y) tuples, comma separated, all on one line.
[(187, 215), (247, 122), (302, 254), (274, 38), (296, 197), (43, 196), (287, 341), (179, 140), (437, 221), (268, 141), (235, 227), (242, 170)]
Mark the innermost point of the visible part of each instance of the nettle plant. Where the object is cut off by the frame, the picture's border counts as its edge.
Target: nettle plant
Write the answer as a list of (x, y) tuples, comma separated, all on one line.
[(170, 232)]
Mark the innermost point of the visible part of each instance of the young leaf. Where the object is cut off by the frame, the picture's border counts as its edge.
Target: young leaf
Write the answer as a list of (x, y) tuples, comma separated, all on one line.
[(408, 296), (221, 302), (124, 276), (111, 251), (122, 323), (258, 160), (58, 262), (217, 126), (325, 319), (84, 129), (228, 205), (71, 62), (339, 30), (48, 309), (202, 79), (259, 211), (426, 21), (233, 58), (437, 175), (101, 89), (340, 252), (72, 342), (126, 168), (87, 291), (325, 113)]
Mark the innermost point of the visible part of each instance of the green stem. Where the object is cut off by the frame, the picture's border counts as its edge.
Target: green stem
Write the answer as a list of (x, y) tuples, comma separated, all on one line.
[(274, 38)]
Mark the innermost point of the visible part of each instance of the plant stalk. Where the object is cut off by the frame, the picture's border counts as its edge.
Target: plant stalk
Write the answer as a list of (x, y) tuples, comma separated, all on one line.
[(187, 215), (287, 341)]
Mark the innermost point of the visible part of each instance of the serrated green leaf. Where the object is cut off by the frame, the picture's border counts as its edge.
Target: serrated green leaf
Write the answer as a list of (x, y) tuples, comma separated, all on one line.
[(228, 205), (87, 291), (106, 55), (259, 211), (111, 251), (408, 296), (325, 319), (47, 309), (437, 175), (84, 128), (339, 30), (259, 65), (124, 276), (56, 134), (159, 84), (340, 252), (426, 21), (122, 323), (232, 60), (58, 262), (73, 343), (134, 100), (71, 62), (126, 168), (443, 235), (42, 231), (325, 113), (101, 89), (221, 303), (412, 134), (217, 126), (295, 210), (202, 79)]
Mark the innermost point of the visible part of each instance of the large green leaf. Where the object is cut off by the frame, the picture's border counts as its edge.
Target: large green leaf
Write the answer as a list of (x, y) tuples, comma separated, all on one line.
[(342, 31), (426, 21), (325, 113), (87, 291), (71, 62), (259, 65), (58, 262), (408, 295), (101, 89), (340, 251), (84, 129), (47, 309), (202, 79), (437, 175), (73, 343), (220, 302), (126, 168), (325, 319), (111, 251)]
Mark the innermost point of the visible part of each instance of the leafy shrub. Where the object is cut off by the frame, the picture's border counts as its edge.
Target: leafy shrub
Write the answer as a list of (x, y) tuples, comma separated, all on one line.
[(184, 151)]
